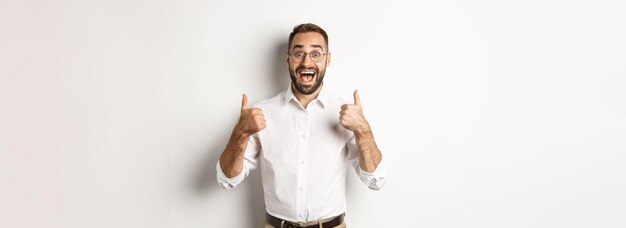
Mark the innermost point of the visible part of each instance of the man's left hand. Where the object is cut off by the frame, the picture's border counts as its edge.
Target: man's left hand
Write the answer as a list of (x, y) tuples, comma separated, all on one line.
[(351, 116)]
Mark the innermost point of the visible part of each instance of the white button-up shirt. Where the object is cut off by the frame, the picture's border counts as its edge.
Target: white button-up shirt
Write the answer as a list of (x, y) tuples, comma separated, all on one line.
[(304, 155)]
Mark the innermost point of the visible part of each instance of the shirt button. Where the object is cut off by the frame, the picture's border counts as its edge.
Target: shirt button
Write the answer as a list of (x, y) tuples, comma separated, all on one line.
[(303, 135), (301, 162), (300, 189)]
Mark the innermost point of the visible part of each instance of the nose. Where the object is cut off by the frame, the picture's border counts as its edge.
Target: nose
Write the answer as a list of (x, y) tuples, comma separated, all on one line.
[(307, 61)]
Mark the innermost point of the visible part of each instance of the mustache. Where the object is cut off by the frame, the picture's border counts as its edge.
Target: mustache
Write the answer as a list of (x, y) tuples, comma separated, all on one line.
[(302, 67)]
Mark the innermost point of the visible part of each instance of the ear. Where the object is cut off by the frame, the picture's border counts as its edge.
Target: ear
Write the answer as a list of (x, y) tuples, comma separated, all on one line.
[(287, 57), (328, 59)]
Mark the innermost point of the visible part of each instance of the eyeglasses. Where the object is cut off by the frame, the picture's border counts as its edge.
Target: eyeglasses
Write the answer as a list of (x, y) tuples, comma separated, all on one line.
[(316, 56)]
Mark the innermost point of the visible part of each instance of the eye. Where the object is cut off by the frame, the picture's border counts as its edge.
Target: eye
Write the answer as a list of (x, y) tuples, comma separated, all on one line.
[(316, 54), (299, 54)]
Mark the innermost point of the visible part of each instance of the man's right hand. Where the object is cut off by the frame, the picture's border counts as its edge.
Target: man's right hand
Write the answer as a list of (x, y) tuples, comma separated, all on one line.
[(251, 120)]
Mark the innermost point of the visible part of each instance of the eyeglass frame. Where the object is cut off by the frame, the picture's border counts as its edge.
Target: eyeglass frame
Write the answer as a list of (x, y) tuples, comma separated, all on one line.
[(307, 54)]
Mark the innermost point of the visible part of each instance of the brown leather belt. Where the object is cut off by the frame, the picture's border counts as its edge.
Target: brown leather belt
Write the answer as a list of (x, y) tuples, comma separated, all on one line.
[(276, 222)]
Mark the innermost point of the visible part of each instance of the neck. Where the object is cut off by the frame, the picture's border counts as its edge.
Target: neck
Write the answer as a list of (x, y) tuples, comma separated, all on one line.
[(305, 99)]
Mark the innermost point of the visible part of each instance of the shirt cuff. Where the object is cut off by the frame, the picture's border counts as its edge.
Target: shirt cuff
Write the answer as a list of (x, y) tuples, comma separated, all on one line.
[(228, 183), (374, 180)]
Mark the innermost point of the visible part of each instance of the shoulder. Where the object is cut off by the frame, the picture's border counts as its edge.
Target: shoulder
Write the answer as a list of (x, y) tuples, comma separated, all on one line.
[(271, 102), (335, 99)]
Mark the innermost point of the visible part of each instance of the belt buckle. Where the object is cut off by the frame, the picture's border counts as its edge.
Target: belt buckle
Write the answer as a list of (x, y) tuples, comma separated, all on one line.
[(292, 225)]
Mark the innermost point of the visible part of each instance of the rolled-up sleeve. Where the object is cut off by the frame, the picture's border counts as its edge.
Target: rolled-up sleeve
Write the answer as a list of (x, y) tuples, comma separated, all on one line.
[(250, 160), (374, 180)]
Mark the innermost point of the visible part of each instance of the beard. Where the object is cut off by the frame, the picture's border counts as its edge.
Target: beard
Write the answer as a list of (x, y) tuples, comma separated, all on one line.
[(302, 89)]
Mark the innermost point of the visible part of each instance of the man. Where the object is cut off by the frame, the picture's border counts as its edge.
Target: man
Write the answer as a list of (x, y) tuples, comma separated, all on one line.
[(304, 139)]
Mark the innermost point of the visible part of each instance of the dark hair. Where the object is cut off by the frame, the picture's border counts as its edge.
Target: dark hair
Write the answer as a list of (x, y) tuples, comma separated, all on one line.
[(308, 27)]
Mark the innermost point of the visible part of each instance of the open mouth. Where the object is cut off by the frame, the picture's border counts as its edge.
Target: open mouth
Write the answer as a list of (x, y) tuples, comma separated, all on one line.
[(307, 76)]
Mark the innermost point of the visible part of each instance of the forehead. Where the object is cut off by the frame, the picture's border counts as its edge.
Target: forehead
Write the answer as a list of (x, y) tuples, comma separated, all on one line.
[(308, 40)]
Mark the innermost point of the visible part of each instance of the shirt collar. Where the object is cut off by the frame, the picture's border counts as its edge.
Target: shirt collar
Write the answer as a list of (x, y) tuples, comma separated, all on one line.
[(322, 97)]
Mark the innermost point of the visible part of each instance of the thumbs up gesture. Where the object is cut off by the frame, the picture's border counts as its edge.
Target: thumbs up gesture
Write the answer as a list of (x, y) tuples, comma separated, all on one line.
[(251, 120), (351, 116)]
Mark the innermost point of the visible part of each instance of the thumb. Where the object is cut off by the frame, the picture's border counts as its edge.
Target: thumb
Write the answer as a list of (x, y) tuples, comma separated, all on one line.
[(357, 100), (244, 102)]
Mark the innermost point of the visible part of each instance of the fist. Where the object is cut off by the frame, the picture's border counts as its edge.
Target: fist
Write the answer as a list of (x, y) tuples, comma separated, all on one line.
[(251, 120), (351, 116)]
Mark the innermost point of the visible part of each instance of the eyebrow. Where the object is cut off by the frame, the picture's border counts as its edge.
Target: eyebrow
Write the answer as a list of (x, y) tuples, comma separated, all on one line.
[(302, 46)]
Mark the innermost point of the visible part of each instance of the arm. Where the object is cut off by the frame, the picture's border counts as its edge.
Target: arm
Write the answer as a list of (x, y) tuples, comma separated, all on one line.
[(250, 122), (231, 160), (370, 155), (371, 168), (352, 118)]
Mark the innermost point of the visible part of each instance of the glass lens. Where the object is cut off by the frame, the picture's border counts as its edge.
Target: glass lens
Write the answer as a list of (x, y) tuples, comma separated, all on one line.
[(299, 56), (316, 56)]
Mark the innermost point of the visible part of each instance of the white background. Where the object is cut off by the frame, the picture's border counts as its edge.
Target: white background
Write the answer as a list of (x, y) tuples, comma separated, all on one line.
[(489, 113)]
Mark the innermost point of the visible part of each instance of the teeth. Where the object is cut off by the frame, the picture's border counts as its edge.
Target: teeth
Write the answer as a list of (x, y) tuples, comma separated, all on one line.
[(308, 73)]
